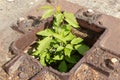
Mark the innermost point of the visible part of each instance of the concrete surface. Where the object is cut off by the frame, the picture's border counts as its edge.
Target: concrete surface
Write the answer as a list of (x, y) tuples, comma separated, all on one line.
[(11, 11), (110, 7)]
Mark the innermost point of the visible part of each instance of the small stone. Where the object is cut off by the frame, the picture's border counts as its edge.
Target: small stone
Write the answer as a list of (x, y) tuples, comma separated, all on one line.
[(33, 67), (31, 3), (22, 69), (25, 51), (23, 75), (33, 56), (114, 60), (10, 0), (36, 0), (10, 78), (21, 19), (90, 11)]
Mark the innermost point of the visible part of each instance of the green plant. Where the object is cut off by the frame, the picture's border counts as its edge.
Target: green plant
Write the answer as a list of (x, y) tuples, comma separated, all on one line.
[(58, 45)]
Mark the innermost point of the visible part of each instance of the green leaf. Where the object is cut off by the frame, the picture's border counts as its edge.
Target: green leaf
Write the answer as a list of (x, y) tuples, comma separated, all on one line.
[(55, 28), (62, 29), (60, 48), (47, 14), (47, 57), (58, 57), (58, 19), (42, 58), (76, 40), (65, 32), (55, 45), (68, 27), (70, 65), (51, 61), (62, 66), (71, 59), (69, 37), (76, 57), (61, 38), (68, 49), (69, 46), (43, 45), (67, 52), (35, 53), (46, 32), (81, 48), (70, 18)]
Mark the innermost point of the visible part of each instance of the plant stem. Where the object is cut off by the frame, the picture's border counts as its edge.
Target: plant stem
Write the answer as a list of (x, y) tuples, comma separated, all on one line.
[(79, 33)]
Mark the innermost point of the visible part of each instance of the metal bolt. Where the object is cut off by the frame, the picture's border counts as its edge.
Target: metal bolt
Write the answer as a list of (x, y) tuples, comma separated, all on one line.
[(31, 3), (114, 60), (90, 11), (22, 75)]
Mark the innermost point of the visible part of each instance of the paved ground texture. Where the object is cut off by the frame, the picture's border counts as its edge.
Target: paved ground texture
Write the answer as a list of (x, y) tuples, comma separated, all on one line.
[(12, 10), (110, 7)]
